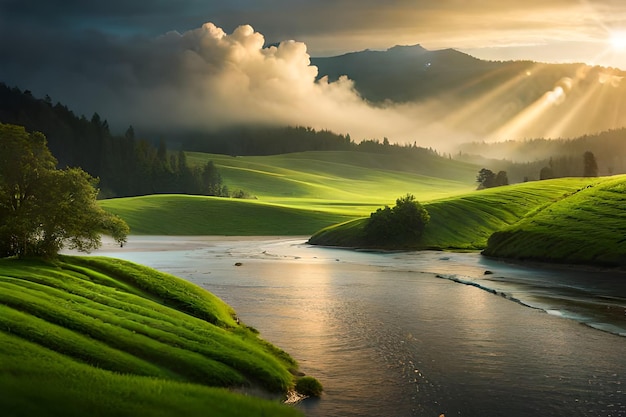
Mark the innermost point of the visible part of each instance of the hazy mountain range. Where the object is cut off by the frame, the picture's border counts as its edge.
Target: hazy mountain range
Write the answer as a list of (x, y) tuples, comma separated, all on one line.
[(493, 100)]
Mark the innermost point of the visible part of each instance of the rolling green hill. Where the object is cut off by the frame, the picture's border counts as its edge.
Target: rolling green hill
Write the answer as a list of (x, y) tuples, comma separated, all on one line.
[(587, 227), (296, 194), (198, 215), (466, 221), (78, 336), (351, 176)]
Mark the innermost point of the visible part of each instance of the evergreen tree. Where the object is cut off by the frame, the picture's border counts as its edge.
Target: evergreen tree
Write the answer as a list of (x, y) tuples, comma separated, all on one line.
[(590, 165), (546, 173)]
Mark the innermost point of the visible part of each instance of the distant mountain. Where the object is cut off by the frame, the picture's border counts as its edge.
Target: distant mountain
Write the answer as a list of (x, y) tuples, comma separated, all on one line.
[(493, 100), (403, 73)]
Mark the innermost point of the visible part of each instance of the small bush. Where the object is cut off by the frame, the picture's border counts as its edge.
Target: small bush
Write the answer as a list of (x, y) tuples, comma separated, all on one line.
[(309, 386), (402, 224)]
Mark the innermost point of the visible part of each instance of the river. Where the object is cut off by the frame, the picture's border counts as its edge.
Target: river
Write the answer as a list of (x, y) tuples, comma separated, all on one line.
[(418, 333)]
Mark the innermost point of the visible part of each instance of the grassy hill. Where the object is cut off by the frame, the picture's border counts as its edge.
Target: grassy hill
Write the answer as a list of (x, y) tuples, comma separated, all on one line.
[(106, 337), (197, 215), (296, 194), (466, 221), (587, 227), (346, 176)]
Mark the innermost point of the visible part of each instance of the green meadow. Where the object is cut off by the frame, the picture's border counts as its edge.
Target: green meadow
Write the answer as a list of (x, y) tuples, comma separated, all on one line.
[(116, 338), (330, 195), (466, 221), (588, 227), (295, 194)]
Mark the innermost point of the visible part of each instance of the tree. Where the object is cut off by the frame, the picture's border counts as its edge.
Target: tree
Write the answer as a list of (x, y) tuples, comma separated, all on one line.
[(546, 173), (211, 180), (501, 179), (402, 224), (590, 165), (43, 209), (485, 178)]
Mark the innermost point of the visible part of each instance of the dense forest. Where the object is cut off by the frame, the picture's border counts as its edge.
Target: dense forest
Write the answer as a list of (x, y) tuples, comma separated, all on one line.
[(126, 165), (131, 164), (526, 160), (249, 140)]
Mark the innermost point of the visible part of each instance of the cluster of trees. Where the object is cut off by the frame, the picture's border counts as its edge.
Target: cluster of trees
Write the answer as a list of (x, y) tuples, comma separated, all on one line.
[(279, 140), (401, 225), (125, 165), (587, 166), (559, 157), (248, 140), (561, 167), (43, 209), (486, 178)]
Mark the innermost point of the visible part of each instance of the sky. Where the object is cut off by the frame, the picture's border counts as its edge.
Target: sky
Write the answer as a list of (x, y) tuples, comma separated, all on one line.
[(205, 60)]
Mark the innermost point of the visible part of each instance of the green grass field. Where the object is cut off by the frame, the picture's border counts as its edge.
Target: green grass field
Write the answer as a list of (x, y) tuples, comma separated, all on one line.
[(352, 177), (296, 194), (587, 227), (99, 336), (330, 194), (466, 221)]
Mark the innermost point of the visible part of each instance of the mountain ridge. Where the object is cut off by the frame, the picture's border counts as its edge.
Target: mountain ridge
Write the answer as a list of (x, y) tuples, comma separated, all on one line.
[(493, 100)]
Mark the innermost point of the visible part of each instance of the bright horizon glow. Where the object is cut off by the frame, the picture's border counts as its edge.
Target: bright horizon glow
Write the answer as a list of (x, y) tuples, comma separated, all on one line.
[(618, 41)]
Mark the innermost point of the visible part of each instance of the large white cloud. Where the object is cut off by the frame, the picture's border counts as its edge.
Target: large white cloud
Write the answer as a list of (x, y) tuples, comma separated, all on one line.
[(208, 79)]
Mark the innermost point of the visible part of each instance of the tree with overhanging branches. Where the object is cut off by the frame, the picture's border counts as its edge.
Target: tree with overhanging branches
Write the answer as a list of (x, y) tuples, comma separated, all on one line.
[(44, 209)]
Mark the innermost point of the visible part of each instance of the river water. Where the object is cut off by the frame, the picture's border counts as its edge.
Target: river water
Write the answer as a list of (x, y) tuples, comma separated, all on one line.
[(418, 333)]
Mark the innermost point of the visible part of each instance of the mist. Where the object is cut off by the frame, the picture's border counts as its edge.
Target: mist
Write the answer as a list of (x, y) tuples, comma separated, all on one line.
[(207, 79)]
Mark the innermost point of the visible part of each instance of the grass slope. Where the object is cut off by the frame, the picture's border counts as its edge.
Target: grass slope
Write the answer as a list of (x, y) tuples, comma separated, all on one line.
[(297, 194), (198, 215), (349, 176), (109, 337), (466, 221), (588, 227)]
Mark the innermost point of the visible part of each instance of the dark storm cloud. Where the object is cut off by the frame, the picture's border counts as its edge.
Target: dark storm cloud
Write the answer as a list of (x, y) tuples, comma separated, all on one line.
[(156, 62), (202, 78), (322, 24)]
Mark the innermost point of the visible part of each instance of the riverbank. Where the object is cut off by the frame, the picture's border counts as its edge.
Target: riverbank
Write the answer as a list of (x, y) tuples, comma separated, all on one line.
[(374, 326), (78, 332)]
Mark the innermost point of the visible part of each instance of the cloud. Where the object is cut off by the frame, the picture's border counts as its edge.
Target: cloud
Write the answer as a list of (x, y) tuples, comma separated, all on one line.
[(205, 78)]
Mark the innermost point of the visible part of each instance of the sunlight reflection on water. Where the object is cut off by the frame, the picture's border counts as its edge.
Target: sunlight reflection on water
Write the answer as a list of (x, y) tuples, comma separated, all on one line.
[(388, 338)]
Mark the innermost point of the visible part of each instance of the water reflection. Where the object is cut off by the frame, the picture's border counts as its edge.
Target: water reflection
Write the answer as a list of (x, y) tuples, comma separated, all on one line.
[(388, 339)]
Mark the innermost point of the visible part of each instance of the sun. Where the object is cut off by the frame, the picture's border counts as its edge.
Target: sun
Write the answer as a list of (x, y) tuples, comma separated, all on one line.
[(618, 41)]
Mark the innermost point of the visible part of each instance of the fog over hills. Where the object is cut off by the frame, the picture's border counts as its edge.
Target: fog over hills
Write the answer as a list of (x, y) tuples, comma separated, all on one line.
[(403, 73), (206, 79), (492, 100)]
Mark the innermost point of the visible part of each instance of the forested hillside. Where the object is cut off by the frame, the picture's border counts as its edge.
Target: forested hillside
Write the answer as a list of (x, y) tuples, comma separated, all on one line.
[(564, 156), (155, 163), (126, 165)]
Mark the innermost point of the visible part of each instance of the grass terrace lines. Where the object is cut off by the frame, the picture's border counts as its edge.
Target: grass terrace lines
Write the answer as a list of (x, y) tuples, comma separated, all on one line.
[(77, 334)]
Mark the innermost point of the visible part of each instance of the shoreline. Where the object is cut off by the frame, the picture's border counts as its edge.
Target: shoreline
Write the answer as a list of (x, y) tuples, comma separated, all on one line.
[(160, 243), (157, 243)]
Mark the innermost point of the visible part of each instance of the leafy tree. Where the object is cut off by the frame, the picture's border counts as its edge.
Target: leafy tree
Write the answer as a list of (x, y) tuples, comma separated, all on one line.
[(43, 209), (402, 224), (590, 165), (501, 179), (485, 178)]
